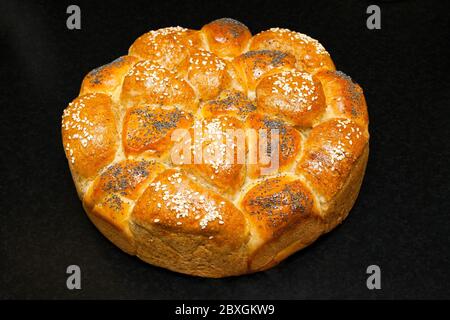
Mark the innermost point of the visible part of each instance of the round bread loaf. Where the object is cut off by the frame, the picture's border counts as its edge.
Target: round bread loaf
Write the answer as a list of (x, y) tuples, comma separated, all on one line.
[(219, 216)]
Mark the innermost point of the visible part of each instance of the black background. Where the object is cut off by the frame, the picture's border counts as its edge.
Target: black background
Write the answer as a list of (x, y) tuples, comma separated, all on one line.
[(399, 222)]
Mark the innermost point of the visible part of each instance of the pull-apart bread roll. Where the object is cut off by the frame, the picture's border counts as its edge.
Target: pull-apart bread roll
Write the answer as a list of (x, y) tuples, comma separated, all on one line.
[(216, 153)]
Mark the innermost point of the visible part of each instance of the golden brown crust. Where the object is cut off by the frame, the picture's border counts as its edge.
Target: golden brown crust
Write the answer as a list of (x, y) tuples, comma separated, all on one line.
[(230, 102), (281, 211), (231, 213), (89, 133), (220, 164), (149, 128), (167, 47), (292, 95), (118, 183), (252, 66), (149, 83), (125, 178), (344, 97), (177, 202), (310, 54), (185, 216), (109, 201), (331, 150), (288, 144), (107, 78), (120, 235), (337, 209), (226, 37), (276, 204), (206, 72)]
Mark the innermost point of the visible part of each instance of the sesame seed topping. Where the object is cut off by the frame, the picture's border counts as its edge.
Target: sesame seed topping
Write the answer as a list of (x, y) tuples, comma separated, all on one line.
[(80, 126), (203, 58), (298, 86), (303, 38), (166, 40), (164, 83), (184, 202), (218, 140)]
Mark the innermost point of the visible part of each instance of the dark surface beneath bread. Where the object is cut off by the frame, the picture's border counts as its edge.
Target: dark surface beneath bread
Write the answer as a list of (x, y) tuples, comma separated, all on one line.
[(401, 220)]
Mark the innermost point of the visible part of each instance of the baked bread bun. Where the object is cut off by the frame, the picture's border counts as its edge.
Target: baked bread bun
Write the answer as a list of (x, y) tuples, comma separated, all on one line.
[(220, 216)]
